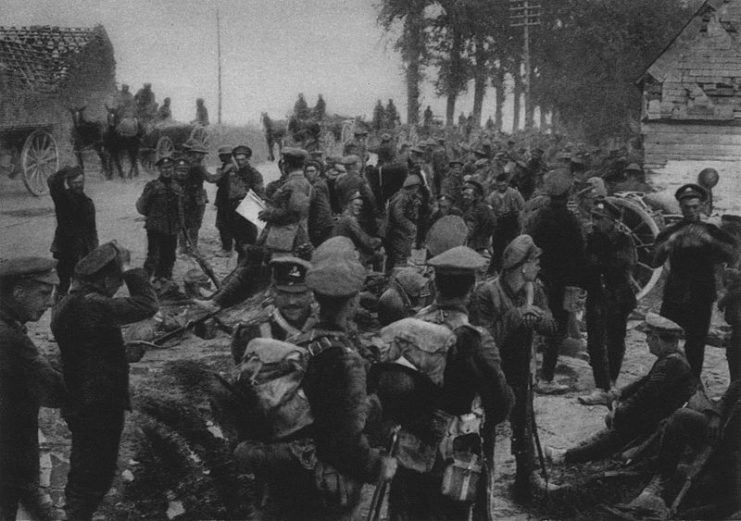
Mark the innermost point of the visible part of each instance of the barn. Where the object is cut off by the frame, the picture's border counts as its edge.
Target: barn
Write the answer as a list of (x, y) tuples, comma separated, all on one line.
[(46, 70), (692, 90)]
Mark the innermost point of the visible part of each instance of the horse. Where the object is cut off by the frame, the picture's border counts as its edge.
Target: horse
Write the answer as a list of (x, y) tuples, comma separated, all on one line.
[(275, 132), (122, 134), (87, 135)]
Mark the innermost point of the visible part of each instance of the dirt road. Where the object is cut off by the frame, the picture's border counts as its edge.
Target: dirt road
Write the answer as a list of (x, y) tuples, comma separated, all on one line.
[(27, 226)]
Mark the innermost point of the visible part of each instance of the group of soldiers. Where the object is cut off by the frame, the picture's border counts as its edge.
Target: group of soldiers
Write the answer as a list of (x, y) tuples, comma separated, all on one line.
[(143, 106), (485, 251)]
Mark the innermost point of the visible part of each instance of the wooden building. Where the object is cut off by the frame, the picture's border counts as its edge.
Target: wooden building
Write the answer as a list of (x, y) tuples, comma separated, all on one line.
[(46, 70), (692, 90)]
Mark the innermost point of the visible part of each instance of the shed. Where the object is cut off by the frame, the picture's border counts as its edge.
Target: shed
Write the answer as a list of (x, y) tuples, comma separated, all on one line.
[(692, 91)]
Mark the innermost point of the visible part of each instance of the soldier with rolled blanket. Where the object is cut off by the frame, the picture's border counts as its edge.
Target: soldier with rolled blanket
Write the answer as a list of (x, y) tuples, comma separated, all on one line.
[(693, 249), (87, 325), (641, 405), (512, 306), (610, 259), (315, 468)]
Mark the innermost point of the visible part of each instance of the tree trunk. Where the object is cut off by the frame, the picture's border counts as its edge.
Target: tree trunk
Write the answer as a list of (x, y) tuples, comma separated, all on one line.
[(414, 36), (501, 96), (517, 77), (479, 80), (456, 72)]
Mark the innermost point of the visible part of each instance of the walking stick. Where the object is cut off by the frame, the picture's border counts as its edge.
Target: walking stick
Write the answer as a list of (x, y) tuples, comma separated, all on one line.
[(378, 495)]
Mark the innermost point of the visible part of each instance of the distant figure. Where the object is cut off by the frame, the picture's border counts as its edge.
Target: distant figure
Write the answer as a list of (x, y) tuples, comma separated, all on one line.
[(201, 113), (379, 114), (300, 108), (489, 124), (124, 103), (392, 115), (320, 109), (427, 121), (462, 120), (164, 113), (146, 105)]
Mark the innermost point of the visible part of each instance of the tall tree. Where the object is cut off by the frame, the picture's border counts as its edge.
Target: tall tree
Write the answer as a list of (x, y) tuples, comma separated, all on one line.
[(448, 37), (411, 44)]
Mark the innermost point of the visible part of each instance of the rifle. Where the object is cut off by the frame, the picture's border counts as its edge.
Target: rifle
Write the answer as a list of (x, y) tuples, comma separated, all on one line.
[(378, 495), (202, 263), (162, 339)]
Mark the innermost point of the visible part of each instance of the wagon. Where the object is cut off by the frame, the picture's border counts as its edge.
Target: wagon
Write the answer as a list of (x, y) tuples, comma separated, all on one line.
[(32, 152), (166, 138)]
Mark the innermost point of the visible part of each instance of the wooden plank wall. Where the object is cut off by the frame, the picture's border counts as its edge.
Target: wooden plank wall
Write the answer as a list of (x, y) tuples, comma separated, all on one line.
[(664, 142)]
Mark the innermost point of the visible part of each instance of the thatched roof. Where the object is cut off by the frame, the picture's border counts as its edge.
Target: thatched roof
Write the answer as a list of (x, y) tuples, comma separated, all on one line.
[(40, 57)]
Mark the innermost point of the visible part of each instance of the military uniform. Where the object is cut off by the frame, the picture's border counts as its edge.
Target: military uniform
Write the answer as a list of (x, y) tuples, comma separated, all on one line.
[(399, 299), (27, 382), (240, 181), (644, 402), (161, 203), (320, 221), (693, 249), (496, 307), (472, 368), (87, 326), (610, 259), (480, 222), (76, 234), (506, 207), (401, 227), (221, 201), (194, 199)]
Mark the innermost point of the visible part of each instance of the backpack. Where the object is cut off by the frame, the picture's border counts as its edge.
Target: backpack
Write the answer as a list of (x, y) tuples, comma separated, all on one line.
[(272, 371)]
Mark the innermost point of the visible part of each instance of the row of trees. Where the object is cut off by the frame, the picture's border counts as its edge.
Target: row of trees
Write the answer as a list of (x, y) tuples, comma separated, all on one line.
[(586, 56)]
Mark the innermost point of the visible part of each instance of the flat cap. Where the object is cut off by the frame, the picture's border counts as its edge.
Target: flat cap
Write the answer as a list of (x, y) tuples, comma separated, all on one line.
[(663, 325), (182, 163), (165, 160), (335, 275), (39, 269), (295, 153), (242, 149), (417, 150), (289, 273), (350, 160), (480, 152), (339, 246), (411, 280), (597, 186), (339, 168), (481, 162), (360, 132), (633, 167), (96, 260), (455, 162), (472, 183), (224, 150), (604, 208), (412, 180), (68, 172), (691, 191), (385, 137), (558, 182), (517, 252), (447, 232), (577, 159), (458, 260)]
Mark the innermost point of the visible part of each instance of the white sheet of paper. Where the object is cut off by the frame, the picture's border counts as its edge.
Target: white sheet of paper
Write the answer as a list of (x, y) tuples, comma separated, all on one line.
[(250, 206)]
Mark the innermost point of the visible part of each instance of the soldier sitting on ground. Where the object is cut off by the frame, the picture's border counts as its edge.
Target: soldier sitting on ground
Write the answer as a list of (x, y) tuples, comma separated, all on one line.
[(642, 404)]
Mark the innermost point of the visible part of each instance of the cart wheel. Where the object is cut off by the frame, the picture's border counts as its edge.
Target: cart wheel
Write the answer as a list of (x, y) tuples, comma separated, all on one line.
[(165, 147), (200, 134), (39, 159), (643, 229)]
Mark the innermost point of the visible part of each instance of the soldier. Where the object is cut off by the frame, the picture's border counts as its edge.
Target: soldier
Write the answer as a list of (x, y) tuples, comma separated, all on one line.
[(472, 367), (610, 259), (558, 233), (512, 306), (348, 225), (87, 326), (320, 210), (453, 183), (76, 234), (124, 103), (221, 201), (354, 181), (444, 207), (288, 212), (241, 180), (392, 115), (693, 249), (325, 462), (146, 102), (27, 382), (642, 404), (478, 217), (402, 296), (292, 314), (439, 164), (386, 150), (506, 204), (201, 113), (301, 108), (357, 145), (427, 117), (194, 196), (402, 218), (379, 115), (161, 203), (164, 112)]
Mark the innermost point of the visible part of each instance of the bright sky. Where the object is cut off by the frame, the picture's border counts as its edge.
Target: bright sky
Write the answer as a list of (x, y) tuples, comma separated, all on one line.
[(271, 51)]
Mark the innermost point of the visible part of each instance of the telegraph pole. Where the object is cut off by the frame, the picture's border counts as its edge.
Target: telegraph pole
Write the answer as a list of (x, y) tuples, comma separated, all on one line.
[(525, 13), (218, 56)]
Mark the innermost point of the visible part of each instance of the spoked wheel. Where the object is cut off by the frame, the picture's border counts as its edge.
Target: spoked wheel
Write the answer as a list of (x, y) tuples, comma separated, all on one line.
[(642, 227), (165, 147), (39, 159)]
